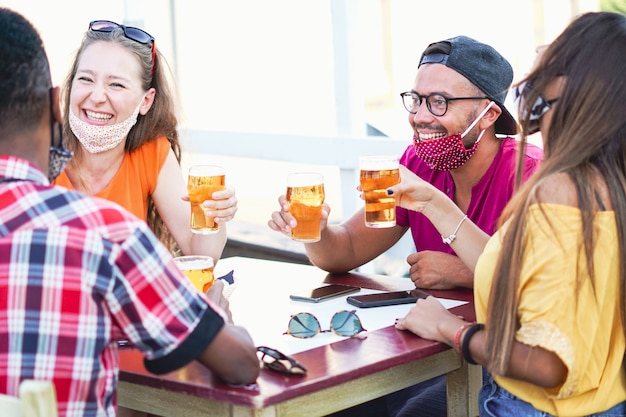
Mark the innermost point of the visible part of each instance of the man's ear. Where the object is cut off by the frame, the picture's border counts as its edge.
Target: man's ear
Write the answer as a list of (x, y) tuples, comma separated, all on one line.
[(56, 104), (489, 118)]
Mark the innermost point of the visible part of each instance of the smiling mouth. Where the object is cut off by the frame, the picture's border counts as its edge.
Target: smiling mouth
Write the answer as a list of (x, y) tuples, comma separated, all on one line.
[(430, 136), (97, 117)]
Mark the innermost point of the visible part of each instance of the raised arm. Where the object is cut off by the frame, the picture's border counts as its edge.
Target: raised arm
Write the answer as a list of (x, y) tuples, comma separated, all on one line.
[(467, 239), (342, 247), (176, 212)]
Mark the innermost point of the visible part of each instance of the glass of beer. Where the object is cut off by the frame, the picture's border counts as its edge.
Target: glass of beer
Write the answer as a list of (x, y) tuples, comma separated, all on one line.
[(203, 181), (377, 174), (305, 194), (198, 269)]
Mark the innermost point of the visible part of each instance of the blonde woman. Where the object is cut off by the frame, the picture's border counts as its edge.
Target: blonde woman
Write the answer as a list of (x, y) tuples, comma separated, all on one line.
[(119, 121)]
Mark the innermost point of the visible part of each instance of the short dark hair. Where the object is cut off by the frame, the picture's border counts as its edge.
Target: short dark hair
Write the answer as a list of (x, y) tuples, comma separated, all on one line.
[(25, 79), (482, 65)]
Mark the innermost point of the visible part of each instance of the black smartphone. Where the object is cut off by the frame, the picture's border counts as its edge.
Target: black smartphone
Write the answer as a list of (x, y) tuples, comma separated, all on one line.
[(315, 295), (386, 298)]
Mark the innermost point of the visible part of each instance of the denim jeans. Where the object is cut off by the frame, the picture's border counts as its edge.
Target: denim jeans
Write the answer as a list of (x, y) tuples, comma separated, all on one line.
[(495, 401)]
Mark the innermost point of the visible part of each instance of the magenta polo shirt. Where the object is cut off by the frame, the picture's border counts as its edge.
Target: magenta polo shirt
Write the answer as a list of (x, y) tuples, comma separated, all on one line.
[(489, 196)]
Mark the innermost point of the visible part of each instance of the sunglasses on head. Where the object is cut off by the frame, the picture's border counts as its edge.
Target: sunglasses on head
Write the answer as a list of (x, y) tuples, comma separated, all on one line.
[(132, 33), (279, 362), (343, 323)]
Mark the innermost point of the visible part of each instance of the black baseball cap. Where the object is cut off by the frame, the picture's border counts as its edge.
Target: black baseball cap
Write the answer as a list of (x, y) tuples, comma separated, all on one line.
[(482, 65)]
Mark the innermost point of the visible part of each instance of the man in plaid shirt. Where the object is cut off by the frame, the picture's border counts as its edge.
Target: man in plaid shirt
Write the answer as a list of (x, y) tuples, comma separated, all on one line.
[(78, 273)]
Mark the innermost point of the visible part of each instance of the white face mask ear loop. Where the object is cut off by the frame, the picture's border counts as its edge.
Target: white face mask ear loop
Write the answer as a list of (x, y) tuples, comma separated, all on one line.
[(480, 135), (480, 116)]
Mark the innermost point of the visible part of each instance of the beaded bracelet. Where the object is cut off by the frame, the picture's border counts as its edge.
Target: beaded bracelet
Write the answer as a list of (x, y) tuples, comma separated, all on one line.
[(448, 240), (459, 333), (466, 341)]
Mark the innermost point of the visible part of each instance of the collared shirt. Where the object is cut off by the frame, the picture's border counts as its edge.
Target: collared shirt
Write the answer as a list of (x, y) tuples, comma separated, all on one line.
[(77, 273), (489, 195)]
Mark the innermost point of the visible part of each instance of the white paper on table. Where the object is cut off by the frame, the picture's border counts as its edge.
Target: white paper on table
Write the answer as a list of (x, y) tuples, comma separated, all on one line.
[(267, 328)]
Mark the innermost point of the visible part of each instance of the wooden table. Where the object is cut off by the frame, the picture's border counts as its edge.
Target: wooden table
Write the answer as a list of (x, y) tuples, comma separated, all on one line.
[(340, 375)]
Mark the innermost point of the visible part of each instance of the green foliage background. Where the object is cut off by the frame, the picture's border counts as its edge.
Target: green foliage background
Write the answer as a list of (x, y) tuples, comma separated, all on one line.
[(613, 6)]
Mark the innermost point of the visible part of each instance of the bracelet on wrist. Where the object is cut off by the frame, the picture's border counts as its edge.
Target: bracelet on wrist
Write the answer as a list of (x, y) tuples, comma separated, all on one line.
[(459, 333), (466, 341), (448, 240)]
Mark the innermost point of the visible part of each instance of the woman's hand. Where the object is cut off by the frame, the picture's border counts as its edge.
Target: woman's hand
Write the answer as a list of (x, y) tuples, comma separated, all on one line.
[(413, 193), (429, 319), (223, 206)]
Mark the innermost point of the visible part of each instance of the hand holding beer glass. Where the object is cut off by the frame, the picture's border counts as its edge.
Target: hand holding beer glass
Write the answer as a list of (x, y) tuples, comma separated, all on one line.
[(305, 195), (203, 181), (198, 269), (377, 174)]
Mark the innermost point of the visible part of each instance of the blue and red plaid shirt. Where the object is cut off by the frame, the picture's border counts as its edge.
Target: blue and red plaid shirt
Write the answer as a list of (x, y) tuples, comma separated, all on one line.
[(78, 273)]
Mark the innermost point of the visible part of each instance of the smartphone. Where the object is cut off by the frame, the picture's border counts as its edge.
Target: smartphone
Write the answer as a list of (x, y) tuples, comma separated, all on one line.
[(386, 298), (315, 295)]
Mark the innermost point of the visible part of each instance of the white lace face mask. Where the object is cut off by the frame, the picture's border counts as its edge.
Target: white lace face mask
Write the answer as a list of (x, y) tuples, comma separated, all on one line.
[(96, 139)]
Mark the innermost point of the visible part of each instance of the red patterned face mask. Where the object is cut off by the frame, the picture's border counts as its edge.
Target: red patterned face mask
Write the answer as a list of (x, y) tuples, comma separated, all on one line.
[(448, 153)]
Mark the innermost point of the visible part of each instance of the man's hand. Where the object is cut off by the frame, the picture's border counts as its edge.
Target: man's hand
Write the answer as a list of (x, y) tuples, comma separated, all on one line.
[(216, 294), (282, 221), (439, 271)]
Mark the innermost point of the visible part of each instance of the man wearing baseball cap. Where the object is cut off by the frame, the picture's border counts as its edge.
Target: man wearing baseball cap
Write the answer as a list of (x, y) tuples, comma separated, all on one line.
[(461, 146)]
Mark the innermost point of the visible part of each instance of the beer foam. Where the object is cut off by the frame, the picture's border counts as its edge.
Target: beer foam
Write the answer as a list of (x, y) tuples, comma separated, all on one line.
[(194, 264), (373, 163)]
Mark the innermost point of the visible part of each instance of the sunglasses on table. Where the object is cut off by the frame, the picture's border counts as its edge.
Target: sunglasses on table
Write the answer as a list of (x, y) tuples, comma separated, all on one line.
[(279, 362), (132, 33), (343, 323)]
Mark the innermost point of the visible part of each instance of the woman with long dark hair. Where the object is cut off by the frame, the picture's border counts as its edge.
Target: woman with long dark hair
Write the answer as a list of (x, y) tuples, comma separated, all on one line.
[(550, 284)]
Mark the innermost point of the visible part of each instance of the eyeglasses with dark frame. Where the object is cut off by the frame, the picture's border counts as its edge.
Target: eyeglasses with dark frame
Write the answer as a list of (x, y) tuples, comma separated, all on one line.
[(279, 362), (343, 323), (132, 33), (437, 104)]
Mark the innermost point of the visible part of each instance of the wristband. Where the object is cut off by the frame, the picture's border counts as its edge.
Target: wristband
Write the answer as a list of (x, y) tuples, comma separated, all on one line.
[(466, 341), (448, 240), (457, 335)]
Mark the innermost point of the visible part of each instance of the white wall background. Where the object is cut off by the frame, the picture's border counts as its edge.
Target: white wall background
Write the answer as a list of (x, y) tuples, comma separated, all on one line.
[(268, 66), (298, 67)]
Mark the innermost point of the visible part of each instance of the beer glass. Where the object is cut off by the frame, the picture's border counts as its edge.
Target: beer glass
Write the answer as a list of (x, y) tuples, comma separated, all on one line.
[(305, 194), (202, 182), (377, 174), (198, 269)]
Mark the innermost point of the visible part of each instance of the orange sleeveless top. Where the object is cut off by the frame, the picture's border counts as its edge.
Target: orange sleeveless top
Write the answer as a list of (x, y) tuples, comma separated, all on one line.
[(136, 179)]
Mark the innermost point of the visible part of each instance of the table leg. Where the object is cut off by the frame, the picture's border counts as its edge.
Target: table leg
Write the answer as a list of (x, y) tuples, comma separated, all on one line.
[(127, 412), (462, 388)]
